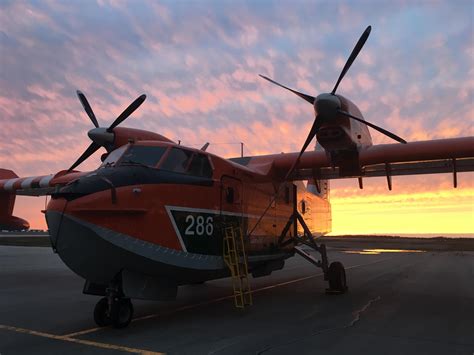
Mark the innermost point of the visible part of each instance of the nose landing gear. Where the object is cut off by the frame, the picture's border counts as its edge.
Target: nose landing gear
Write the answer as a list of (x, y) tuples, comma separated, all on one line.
[(113, 310)]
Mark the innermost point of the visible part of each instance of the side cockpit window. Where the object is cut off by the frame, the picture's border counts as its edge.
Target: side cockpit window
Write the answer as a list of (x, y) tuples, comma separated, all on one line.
[(200, 166), (186, 162), (177, 160)]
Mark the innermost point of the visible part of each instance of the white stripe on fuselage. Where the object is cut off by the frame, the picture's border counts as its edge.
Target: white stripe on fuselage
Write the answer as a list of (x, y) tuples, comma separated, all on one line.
[(176, 230), (203, 210)]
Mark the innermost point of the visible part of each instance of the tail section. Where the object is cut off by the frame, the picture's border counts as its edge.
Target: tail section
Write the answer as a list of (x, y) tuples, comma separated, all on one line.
[(7, 203)]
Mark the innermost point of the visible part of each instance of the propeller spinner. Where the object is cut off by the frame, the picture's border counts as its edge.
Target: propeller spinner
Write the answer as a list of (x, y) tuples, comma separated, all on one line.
[(328, 106), (100, 136)]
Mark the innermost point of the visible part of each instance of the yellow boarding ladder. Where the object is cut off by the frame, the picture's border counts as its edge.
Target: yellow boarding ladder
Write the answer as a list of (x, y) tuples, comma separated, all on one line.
[(236, 260)]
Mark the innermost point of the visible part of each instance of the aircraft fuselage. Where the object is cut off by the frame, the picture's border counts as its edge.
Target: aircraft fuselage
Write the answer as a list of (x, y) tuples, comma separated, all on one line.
[(165, 217)]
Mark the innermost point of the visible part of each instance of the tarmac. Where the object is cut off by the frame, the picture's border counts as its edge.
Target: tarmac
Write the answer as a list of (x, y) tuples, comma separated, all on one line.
[(398, 303)]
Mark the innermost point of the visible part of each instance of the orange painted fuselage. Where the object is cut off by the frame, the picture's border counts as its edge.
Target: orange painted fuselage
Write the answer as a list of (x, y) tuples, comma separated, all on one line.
[(110, 219)]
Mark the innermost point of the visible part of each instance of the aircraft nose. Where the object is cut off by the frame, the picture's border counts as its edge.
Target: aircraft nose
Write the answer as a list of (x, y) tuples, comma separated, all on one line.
[(327, 105), (85, 185)]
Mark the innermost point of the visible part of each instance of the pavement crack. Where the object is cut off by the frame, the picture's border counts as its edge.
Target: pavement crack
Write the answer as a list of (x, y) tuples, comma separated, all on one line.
[(357, 315), (360, 311)]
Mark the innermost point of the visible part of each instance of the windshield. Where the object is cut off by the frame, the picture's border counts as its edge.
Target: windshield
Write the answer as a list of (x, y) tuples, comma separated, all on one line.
[(114, 156), (142, 155)]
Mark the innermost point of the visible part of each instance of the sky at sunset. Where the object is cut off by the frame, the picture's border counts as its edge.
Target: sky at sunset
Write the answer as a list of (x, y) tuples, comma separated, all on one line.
[(198, 62)]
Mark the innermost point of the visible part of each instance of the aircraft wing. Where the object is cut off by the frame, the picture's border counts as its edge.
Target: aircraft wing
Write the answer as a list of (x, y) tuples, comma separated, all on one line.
[(424, 157), (35, 185)]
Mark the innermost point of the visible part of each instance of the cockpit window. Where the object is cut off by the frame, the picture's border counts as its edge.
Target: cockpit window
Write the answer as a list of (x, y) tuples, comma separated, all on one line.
[(177, 160), (186, 162), (114, 156), (200, 166), (142, 155)]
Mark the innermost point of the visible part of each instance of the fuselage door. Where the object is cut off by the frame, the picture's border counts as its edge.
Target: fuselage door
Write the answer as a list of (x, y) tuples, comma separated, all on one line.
[(232, 203)]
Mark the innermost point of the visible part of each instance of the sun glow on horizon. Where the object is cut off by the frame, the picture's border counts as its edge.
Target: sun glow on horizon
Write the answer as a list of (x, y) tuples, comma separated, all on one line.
[(432, 212)]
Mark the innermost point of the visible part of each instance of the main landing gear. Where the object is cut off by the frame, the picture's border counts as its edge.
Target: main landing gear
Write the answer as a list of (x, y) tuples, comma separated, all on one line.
[(335, 273), (336, 276), (114, 309)]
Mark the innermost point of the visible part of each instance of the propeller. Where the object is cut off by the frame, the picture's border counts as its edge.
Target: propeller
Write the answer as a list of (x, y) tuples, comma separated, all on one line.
[(102, 137), (328, 106)]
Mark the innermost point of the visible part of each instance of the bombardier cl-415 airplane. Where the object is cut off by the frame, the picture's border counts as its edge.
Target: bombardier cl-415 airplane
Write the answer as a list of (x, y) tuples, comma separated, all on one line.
[(156, 215)]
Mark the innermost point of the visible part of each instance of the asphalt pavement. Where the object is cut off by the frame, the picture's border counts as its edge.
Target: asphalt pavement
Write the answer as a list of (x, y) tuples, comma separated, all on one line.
[(398, 303)]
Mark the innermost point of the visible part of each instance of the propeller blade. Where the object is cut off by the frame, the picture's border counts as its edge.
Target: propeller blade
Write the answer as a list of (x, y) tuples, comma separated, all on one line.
[(87, 108), (127, 112), (381, 130), (353, 56), (87, 153), (305, 97), (312, 133)]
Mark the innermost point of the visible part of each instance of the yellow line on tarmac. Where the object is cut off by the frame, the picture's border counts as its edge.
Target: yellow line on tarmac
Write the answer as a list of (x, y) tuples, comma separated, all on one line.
[(78, 341), (82, 332)]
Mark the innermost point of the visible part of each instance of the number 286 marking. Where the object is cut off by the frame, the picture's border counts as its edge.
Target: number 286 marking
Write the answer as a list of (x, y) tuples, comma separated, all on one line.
[(199, 225)]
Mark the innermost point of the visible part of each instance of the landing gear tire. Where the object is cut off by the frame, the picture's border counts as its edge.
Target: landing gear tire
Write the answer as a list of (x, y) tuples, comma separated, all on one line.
[(337, 278), (101, 315), (122, 313)]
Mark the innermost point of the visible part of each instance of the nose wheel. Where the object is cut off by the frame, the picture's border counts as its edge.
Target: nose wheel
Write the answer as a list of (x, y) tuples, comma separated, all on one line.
[(101, 313), (123, 313), (115, 311)]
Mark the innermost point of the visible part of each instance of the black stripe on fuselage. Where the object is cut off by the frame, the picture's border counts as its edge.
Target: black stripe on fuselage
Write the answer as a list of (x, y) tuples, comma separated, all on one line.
[(114, 177)]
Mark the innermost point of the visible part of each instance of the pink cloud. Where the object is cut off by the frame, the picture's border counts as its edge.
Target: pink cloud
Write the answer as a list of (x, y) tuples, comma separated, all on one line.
[(365, 82)]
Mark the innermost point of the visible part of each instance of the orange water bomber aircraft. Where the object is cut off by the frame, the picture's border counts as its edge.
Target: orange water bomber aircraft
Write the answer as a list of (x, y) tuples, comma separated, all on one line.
[(156, 215)]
